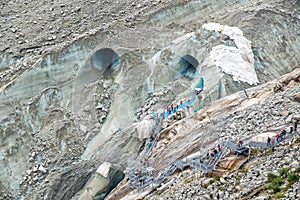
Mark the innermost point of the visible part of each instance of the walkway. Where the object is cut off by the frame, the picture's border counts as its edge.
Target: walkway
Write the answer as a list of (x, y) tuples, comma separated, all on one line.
[(207, 165), (168, 112), (204, 164), (140, 173), (260, 143)]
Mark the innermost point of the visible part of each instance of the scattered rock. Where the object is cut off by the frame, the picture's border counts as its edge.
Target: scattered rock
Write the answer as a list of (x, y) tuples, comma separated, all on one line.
[(42, 169), (83, 128)]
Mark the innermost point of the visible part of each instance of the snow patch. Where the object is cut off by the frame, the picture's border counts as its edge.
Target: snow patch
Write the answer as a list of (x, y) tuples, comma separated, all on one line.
[(237, 61)]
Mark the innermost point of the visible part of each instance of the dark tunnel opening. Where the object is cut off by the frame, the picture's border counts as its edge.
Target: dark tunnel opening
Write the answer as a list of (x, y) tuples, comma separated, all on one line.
[(188, 66), (106, 60)]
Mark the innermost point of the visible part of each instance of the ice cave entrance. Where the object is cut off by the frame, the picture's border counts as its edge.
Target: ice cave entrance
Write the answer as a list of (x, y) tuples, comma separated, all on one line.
[(188, 66), (106, 60)]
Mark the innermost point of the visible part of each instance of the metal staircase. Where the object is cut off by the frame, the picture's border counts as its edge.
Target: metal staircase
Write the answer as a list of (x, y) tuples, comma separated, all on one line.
[(260, 143), (140, 172), (205, 165)]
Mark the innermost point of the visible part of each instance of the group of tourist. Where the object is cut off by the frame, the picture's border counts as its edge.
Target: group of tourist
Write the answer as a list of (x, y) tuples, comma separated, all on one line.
[(279, 137), (141, 174), (176, 106), (173, 108), (139, 177), (212, 155)]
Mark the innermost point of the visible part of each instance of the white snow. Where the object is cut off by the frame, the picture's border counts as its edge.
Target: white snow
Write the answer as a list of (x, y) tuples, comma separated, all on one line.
[(237, 61), (104, 168)]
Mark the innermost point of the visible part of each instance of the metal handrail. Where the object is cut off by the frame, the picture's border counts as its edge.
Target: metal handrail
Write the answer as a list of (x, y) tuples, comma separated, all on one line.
[(144, 179)]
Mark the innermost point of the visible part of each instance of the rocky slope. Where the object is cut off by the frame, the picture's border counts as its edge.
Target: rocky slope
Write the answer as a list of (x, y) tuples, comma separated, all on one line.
[(252, 182), (279, 97), (75, 80)]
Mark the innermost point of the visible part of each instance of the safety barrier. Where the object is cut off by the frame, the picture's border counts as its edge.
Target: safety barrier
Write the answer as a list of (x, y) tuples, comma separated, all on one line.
[(205, 166), (261, 142), (140, 175)]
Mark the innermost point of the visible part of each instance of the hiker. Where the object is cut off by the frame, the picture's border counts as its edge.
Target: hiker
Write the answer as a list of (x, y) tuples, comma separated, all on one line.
[(216, 153), (146, 162), (207, 156), (291, 130), (177, 115), (141, 180), (200, 160), (212, 157), (269, 142), (188, 106), (173, 107), (138, 172), (283, 133), (152, 137), (219, 148), (277, 137), (272, 143), (130, 182), (281, 136), (169, 110), (240, 142)]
